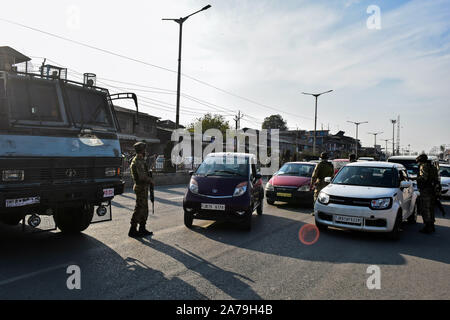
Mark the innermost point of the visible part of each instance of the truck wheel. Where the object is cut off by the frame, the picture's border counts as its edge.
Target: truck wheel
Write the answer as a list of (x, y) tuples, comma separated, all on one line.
[(74, 220), (188, 219)]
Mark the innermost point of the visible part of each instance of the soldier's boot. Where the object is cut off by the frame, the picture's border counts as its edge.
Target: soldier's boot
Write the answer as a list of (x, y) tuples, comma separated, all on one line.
[(432, 228), (427, 229), (133, 233), (143, 232)]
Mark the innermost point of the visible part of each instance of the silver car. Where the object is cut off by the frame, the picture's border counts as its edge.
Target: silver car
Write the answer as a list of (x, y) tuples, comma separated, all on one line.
[(368, 196)]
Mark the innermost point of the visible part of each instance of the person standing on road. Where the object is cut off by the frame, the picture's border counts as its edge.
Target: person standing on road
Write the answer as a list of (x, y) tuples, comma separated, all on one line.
[(426, 182), (323, 170), (142, 182), (352, 158)]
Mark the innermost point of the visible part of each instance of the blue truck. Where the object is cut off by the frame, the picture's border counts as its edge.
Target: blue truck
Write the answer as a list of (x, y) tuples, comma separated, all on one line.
[(60, 154)]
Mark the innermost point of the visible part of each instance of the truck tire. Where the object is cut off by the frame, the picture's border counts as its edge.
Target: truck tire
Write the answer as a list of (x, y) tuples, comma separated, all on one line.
[(74, 220)]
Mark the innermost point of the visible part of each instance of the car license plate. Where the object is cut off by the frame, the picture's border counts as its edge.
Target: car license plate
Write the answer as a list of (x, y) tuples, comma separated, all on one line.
[(284, 195), (14, 203), (352, 220), (108, 193), (210, 206)]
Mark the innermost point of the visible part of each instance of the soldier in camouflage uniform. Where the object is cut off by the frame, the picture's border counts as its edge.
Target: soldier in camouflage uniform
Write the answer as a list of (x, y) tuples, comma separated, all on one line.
[(352, 158), (323, 170), (426, 182), (142, 182)]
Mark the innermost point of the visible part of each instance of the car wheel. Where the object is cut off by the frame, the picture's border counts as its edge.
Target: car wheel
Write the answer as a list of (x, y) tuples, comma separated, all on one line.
[(395, 233), (248, 222), (412, 219), (271, 202), (321, 227), (188, 219), (260, 208)]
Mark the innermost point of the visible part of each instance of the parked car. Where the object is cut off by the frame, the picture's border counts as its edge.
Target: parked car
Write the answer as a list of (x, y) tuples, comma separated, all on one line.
[(291, 184), (338, 164), (368, 196), (226, 186), (444, 173)]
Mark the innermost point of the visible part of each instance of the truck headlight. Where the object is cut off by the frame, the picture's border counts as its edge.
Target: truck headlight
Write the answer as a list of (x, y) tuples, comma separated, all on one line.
[(305, 188), (323, 198), (269, 187), (13, 175), (240, 190), (111, 172), (380, 204)]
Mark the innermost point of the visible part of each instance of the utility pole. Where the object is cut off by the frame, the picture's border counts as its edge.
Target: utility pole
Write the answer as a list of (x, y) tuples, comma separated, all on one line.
[(180, 21), (357, 127), (375, 135), (316, 95), (237, 119), (393, 136), (386, 149)]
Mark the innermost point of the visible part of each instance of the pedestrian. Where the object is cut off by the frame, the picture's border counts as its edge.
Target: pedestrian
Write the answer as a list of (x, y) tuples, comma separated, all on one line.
[(142, 182), (324, 169), (426, 182), (352, 158)]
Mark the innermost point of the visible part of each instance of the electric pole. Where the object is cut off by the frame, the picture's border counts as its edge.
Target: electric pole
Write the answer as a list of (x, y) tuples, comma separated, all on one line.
[(393, 136), (357, 127), (237, 119)]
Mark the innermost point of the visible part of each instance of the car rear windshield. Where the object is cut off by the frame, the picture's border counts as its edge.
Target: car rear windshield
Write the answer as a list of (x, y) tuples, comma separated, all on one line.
[(33, 100), (367, 176), (296, 169), (224, 166), (411, 166), (89, 107)]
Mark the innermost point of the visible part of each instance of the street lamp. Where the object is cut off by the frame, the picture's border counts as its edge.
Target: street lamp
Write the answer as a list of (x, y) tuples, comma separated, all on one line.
[(180, 21), (316, 95), (386, 149), (375, 135), (393, 136), (357, 127)]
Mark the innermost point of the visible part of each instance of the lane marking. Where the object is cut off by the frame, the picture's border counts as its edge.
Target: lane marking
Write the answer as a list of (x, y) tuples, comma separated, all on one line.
[(34, 274)]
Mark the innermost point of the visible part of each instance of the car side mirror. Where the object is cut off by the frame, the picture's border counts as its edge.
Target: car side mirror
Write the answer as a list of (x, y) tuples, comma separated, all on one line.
[(405, 184), (327, 179)]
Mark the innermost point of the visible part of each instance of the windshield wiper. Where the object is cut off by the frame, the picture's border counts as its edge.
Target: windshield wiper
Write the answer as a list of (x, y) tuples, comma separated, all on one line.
[(224, 171)]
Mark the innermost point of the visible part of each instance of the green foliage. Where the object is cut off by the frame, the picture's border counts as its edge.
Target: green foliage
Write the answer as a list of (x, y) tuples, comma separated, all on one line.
[(275, 122), (210, 121)]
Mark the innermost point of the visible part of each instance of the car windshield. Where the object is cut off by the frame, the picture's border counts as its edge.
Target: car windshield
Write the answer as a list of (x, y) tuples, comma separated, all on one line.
[(411, 166), (296, 169), (444, 172), (339, 164), (224, 166), (366, 176)]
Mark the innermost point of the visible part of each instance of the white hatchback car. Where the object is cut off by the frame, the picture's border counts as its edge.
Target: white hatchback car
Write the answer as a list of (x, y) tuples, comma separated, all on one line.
[(368, 196)]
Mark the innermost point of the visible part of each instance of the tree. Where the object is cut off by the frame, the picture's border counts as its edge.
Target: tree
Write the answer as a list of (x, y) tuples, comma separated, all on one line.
[(275, 122), (210, 121)]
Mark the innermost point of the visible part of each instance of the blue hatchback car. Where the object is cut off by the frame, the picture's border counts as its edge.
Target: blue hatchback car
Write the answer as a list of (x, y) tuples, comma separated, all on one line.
[(226, 186)]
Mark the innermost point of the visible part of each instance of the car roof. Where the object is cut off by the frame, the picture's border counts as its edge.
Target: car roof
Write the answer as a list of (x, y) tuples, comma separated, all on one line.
[(410, 158), (301, 162), (376, 164), (232, 154), (342, 160), (444, 165)]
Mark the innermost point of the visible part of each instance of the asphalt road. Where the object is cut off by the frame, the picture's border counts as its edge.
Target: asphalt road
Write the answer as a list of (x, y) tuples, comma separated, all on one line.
[(222, 261)]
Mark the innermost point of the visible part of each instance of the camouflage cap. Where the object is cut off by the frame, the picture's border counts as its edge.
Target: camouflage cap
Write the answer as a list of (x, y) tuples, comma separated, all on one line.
[(140, 146), (422, 158), (324, 155)]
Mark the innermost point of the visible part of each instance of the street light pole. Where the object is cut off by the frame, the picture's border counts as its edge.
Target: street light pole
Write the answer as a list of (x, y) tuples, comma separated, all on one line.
[(375, 135), (180, 21), (316, 96), (393, 136), (386, 149), (357, 127)]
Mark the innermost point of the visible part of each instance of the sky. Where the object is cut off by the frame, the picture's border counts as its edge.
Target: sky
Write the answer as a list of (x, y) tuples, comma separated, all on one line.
[(258, 56)]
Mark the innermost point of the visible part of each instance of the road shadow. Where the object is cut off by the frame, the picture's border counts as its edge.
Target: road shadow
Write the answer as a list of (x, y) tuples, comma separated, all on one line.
[(229, 282), (34, 266), (280, 236)]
